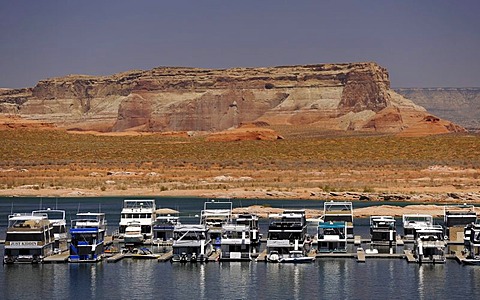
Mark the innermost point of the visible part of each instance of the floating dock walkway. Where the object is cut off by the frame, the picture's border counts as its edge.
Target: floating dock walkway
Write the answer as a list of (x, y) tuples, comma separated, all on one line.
[(116, 257), (57, 258), (165, 256)]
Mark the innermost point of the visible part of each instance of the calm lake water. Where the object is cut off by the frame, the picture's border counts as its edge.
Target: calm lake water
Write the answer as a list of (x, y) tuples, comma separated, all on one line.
[(145, 279)]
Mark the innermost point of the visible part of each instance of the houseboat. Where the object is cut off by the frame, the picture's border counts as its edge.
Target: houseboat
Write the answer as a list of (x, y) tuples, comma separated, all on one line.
[(455, 218), (472, 244), (414, 222), (137, 212), (287, 231), (430, 245), (383, 233), (165, 222), (339, 212), (236, 242), (251, 221), (191, 243), (59, 223), (332, 237), (29, 238), (214, 215), (87, 237)]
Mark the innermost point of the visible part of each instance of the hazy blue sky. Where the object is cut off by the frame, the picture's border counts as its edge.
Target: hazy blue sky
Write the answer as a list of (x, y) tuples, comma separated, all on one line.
[(425, 43)]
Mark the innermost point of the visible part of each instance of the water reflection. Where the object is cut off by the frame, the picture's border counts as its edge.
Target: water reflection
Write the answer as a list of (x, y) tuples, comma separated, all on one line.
[(431, 280)]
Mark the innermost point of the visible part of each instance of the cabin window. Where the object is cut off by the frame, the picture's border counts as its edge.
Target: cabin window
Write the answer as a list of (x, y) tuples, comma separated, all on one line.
[(25, 237)]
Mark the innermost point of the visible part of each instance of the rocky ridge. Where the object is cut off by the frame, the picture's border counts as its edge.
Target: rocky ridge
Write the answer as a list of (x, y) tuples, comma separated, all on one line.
[(348, 96), (460, 105)]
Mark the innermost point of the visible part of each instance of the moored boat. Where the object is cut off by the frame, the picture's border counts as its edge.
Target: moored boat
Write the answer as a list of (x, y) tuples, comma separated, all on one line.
[(332, 237), (334, 211), (141, 212), (414, 222), (251, 221), (383, 233), (87, 237), (29, 238), (287, 231), (430, 245), (214, 215), (472, 244), (236, 243), (133, 233), (165, 222), (59, 223), (191, 243), (296, 257)]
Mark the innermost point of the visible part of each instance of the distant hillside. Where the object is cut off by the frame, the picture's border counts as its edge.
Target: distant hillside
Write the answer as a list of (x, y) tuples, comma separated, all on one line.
[(343, 97), (459, 105)]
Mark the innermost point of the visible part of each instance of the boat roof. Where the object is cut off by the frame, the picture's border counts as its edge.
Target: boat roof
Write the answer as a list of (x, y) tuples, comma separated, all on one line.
[(286, 215), (139, 203), (26, 217), (235, 227), (417, 216), (247, 216), (87, 214), (382, 219), (338, 207), (58, 213), (190, 227), (332, 224), (166, 211)]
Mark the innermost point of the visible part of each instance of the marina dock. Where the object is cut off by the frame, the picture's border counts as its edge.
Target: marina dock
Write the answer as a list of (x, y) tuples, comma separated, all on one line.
[(57, 258), (116, 257), (360, 255), (165, 256), (262, 257), (459, 257), (409, 256), (214, 256), (357, 240)]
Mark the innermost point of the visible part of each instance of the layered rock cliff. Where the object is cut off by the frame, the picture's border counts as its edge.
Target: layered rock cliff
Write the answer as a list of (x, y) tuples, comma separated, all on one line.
[(349, 96)]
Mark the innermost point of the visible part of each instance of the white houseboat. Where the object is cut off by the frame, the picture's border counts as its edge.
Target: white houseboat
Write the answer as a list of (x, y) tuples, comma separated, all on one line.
[(165, 222), (286, 232), (214, 215), (59, 223), (138, 212), (334, 211), (430, 245), (414, 222), (236, 243), (472, 244), (87, 237), (455, 218), (251, 221), (332, 237), (383, 233), (29, 239), (191, 243)]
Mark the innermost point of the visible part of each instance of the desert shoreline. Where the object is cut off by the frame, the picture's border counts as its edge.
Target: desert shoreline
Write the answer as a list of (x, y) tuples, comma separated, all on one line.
[(413, 203)]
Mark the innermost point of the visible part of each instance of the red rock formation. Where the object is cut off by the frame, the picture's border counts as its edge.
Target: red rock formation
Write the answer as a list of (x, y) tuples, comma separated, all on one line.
[(353, 96)]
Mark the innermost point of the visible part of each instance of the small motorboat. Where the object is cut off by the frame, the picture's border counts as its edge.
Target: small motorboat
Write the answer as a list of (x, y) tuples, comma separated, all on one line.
[(475, 261), (297, 257), (274, 257)]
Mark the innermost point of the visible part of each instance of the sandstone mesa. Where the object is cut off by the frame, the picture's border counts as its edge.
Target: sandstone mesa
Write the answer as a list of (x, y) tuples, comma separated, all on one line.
[(344, 97)]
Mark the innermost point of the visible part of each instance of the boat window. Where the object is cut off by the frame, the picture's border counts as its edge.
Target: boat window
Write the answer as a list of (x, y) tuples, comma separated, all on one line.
[(24, 237)]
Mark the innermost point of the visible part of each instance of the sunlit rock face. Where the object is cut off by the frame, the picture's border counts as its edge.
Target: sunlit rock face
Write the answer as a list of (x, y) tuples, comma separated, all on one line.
[(346, 96)]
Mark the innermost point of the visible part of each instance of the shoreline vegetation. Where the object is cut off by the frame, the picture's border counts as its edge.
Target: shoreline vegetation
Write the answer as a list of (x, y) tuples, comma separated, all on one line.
[(306, 164)]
